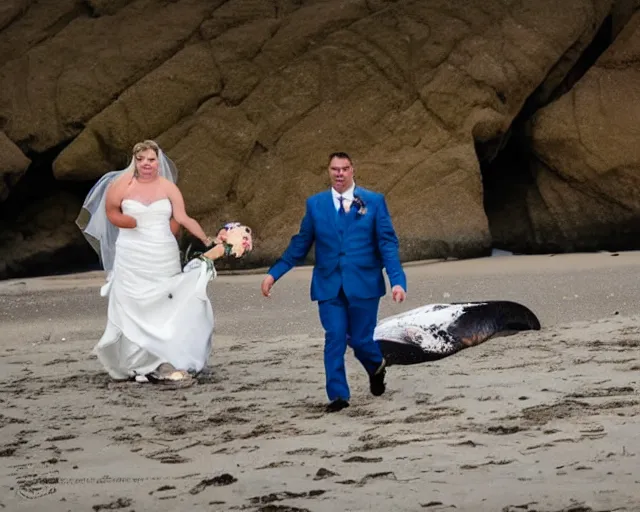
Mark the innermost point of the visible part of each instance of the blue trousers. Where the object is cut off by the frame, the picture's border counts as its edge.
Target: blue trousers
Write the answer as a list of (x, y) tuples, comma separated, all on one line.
[(348, 322)]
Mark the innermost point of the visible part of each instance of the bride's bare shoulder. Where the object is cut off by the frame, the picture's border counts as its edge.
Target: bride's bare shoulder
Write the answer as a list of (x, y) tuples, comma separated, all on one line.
[(123, 180), (167, 185)]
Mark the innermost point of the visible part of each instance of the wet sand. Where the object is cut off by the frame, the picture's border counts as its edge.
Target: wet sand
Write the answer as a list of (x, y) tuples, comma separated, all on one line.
[(537, 421)]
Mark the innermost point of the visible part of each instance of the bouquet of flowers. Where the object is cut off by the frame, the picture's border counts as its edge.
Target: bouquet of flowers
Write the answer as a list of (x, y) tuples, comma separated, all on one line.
[(236, 238)]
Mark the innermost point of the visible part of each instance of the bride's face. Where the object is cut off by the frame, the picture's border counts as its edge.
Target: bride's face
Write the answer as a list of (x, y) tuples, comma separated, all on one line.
[(147, 164)]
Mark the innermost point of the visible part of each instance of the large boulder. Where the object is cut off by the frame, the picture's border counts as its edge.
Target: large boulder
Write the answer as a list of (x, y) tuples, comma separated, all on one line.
[(13, 164), (27, 23), (188, 78), (51, 90), (408, 88), (587, 156)]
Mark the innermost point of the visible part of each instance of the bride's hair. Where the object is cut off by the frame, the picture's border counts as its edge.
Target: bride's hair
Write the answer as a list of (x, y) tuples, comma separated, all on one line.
[(144, 145)]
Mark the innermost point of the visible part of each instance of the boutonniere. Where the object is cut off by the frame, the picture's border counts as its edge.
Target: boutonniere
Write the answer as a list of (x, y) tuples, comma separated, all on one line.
[(361, 207)]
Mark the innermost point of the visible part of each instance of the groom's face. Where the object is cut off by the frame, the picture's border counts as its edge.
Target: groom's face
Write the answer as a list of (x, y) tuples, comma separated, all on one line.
[(341, 174)]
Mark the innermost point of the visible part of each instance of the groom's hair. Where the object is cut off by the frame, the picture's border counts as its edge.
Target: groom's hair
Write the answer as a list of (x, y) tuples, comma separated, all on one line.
[(340, 154)]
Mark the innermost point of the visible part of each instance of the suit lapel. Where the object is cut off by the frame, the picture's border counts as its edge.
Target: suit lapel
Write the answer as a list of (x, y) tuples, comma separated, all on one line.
[(351, 216)]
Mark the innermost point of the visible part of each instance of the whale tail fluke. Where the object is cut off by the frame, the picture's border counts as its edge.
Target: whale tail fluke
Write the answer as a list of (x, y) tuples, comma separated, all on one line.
[(484, 320)]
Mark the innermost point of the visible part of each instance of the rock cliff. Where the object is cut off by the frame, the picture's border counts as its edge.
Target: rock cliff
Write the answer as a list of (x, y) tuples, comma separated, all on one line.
[(485, 122)]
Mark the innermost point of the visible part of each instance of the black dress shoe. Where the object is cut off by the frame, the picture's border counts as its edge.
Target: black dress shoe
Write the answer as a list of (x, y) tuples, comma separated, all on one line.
[(376, 380), (337, 405)]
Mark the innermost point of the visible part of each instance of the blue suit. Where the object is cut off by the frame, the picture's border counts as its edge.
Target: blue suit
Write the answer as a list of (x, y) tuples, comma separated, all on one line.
[(350, 252)]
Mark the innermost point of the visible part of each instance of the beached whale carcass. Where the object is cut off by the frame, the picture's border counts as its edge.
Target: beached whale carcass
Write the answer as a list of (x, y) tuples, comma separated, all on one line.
[(435, 331)]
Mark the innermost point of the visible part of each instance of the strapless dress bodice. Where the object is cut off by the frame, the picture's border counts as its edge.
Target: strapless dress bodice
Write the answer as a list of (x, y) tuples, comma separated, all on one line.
[(151, 219)]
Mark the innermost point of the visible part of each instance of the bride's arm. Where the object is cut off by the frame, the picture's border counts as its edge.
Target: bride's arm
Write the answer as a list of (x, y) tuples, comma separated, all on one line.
[(174, 226), (115, 193), (180, 215)]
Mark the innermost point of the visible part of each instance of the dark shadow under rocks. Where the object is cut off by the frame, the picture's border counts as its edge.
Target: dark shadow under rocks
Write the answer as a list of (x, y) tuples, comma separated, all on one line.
[(38, 235)]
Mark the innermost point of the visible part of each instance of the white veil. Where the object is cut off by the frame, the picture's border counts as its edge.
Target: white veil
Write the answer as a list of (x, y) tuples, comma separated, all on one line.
[(93, 221)]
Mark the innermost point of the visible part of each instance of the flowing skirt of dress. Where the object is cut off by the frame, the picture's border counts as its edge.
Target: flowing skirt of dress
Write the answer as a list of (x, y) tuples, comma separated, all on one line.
[(157, 313)]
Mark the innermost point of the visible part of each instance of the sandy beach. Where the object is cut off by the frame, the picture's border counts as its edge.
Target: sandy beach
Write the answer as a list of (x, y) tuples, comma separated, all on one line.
[(537, 421)]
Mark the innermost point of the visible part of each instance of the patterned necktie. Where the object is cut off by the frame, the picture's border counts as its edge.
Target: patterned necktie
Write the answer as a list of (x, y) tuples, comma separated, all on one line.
[(341, 209)]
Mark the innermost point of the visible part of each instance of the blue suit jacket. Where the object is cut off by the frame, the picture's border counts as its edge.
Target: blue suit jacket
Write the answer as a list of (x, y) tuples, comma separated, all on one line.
[(353, 261)]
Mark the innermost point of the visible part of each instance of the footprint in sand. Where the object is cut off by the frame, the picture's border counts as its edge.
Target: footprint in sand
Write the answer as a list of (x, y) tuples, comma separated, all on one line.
[(278, 464), (114, 505), (323, 473), (284, 495), (358, 458), (218, 481)]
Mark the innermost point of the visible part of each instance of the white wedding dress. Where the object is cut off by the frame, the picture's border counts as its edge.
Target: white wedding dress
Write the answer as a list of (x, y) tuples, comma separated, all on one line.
[(158, 313)]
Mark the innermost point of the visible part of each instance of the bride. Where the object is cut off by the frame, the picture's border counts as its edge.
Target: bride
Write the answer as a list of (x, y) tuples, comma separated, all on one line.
[(160, 319)]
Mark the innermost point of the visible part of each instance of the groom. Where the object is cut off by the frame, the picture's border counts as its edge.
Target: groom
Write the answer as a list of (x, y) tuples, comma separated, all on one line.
[(354, 239)]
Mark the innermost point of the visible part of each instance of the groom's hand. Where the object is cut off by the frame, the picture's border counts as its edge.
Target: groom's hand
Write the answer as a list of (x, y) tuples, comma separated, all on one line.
[(267, 283), (398, 293)]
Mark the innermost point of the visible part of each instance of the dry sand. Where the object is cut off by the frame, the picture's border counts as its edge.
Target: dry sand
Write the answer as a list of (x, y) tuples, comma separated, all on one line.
[(538, 421)]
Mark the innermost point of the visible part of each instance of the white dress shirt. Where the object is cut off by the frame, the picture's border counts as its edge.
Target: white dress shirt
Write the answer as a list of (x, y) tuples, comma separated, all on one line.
[(348, 198)]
